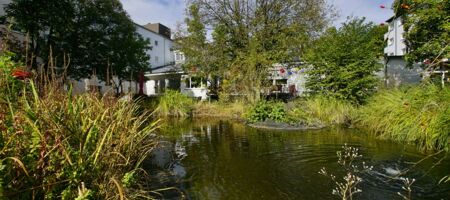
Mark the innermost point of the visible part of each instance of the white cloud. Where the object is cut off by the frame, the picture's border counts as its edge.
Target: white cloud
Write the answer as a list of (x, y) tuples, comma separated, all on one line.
[(167, 12)]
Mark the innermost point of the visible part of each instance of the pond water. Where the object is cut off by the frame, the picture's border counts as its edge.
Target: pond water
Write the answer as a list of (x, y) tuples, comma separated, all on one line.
[(215, 159)]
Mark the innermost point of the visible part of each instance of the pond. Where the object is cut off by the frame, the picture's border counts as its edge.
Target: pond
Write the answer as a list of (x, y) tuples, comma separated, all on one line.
[(213, 159)]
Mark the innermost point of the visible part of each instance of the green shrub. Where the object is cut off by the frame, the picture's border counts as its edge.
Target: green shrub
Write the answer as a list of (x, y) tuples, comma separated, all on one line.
[(173, 103), (419, 115), (266, 110)]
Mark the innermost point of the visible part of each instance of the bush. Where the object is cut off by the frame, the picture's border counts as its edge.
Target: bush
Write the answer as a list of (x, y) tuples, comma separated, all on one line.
[(173, 103), (266, 110), (419, 115)]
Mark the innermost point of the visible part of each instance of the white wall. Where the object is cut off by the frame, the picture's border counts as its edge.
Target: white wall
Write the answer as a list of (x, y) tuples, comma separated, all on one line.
[(395, 38), (161, 53)]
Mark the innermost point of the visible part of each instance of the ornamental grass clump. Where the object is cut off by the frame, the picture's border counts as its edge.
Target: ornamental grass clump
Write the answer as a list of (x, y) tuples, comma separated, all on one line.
[(322, 110), (59, 146), (418, 115), (174, 104)]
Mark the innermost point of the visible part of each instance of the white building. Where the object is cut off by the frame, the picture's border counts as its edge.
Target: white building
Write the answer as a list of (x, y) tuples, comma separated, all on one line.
[(164, 73), (396, 71)]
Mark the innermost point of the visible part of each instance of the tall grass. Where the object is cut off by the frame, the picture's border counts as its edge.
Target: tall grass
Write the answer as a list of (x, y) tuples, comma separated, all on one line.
[(419, 115), (59, 146), (174, 104), (322, 110), (233, 110)]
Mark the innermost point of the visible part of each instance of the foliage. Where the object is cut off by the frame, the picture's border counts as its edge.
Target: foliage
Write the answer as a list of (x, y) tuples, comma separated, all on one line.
[(175, 104), (344, 61), (419, 115), (427, 25), (321, 110), (219, 109), (194, 45), (250, 36), (264, 110), (94, 36), (69, 147), (350, 160)]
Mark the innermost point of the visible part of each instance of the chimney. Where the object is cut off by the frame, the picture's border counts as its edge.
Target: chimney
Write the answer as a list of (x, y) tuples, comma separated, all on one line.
[(159, 28)]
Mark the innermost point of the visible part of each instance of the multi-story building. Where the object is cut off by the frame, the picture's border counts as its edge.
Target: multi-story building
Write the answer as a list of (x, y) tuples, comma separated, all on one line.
[(165, 73), (396, 71)]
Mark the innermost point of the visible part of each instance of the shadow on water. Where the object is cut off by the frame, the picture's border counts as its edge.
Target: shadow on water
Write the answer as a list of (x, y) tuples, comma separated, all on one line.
[(213, 159)]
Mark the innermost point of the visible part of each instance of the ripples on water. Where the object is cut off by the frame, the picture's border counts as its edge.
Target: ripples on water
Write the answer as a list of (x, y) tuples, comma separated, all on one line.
[(226, 160)]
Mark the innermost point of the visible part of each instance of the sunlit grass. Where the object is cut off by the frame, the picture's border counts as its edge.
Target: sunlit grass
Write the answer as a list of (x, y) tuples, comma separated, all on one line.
[(419, 115)]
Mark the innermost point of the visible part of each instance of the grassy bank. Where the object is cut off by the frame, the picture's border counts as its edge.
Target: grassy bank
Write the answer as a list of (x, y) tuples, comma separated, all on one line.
[(176, 104), (321, 110), (57, 146), (418, 115)]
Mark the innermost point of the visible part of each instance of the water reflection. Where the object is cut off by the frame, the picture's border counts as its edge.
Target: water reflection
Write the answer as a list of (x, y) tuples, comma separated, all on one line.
[(226, 160)]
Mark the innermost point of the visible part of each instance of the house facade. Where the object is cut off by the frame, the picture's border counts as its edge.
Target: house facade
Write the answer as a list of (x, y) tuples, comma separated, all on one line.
[(164, 72), (287, 78), (396, 71)]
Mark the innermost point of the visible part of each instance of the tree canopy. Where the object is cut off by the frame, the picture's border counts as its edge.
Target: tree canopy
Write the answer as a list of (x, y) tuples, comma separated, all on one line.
[(248, 37), (343, 61), (97, 36), (427, 26)]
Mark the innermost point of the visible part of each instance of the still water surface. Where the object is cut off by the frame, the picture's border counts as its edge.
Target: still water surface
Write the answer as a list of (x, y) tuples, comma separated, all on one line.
[(228, 160)]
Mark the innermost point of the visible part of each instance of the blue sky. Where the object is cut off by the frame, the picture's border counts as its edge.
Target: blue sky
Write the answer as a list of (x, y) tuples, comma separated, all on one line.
[(171, 12)]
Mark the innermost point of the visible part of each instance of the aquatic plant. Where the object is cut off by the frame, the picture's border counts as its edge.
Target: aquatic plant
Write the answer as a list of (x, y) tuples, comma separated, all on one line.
[(71, 147), (323, 110), (407, 183), (418, 115), (219, 109), (348, 186), (175, 104)]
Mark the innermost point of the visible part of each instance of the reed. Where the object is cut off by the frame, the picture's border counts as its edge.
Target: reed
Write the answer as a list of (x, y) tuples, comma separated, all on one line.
[(322, 110), (174, 104), (418, 115), (234, 110), (56, 145)]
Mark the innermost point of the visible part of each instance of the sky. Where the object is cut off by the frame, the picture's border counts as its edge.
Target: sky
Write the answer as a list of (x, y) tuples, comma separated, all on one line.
[(171, 12)]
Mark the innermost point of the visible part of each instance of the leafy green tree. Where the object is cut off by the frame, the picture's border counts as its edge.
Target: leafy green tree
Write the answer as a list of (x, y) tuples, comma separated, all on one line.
[(427, 26), (344, 61), (96, 36), (194, 45), (251, 36)]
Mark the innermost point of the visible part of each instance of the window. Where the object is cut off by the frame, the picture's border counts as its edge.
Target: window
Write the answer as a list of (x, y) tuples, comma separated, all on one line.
[(390, 41), (156, 42)]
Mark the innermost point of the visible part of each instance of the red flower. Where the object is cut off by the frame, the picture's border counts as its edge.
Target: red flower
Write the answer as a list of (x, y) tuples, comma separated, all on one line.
[(282, 70), (21, 74)]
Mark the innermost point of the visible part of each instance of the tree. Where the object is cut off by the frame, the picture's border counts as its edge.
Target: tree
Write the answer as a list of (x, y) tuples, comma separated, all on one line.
[(97, 36), (194, 45), (427, 26), (251, 36), (344, 61)]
